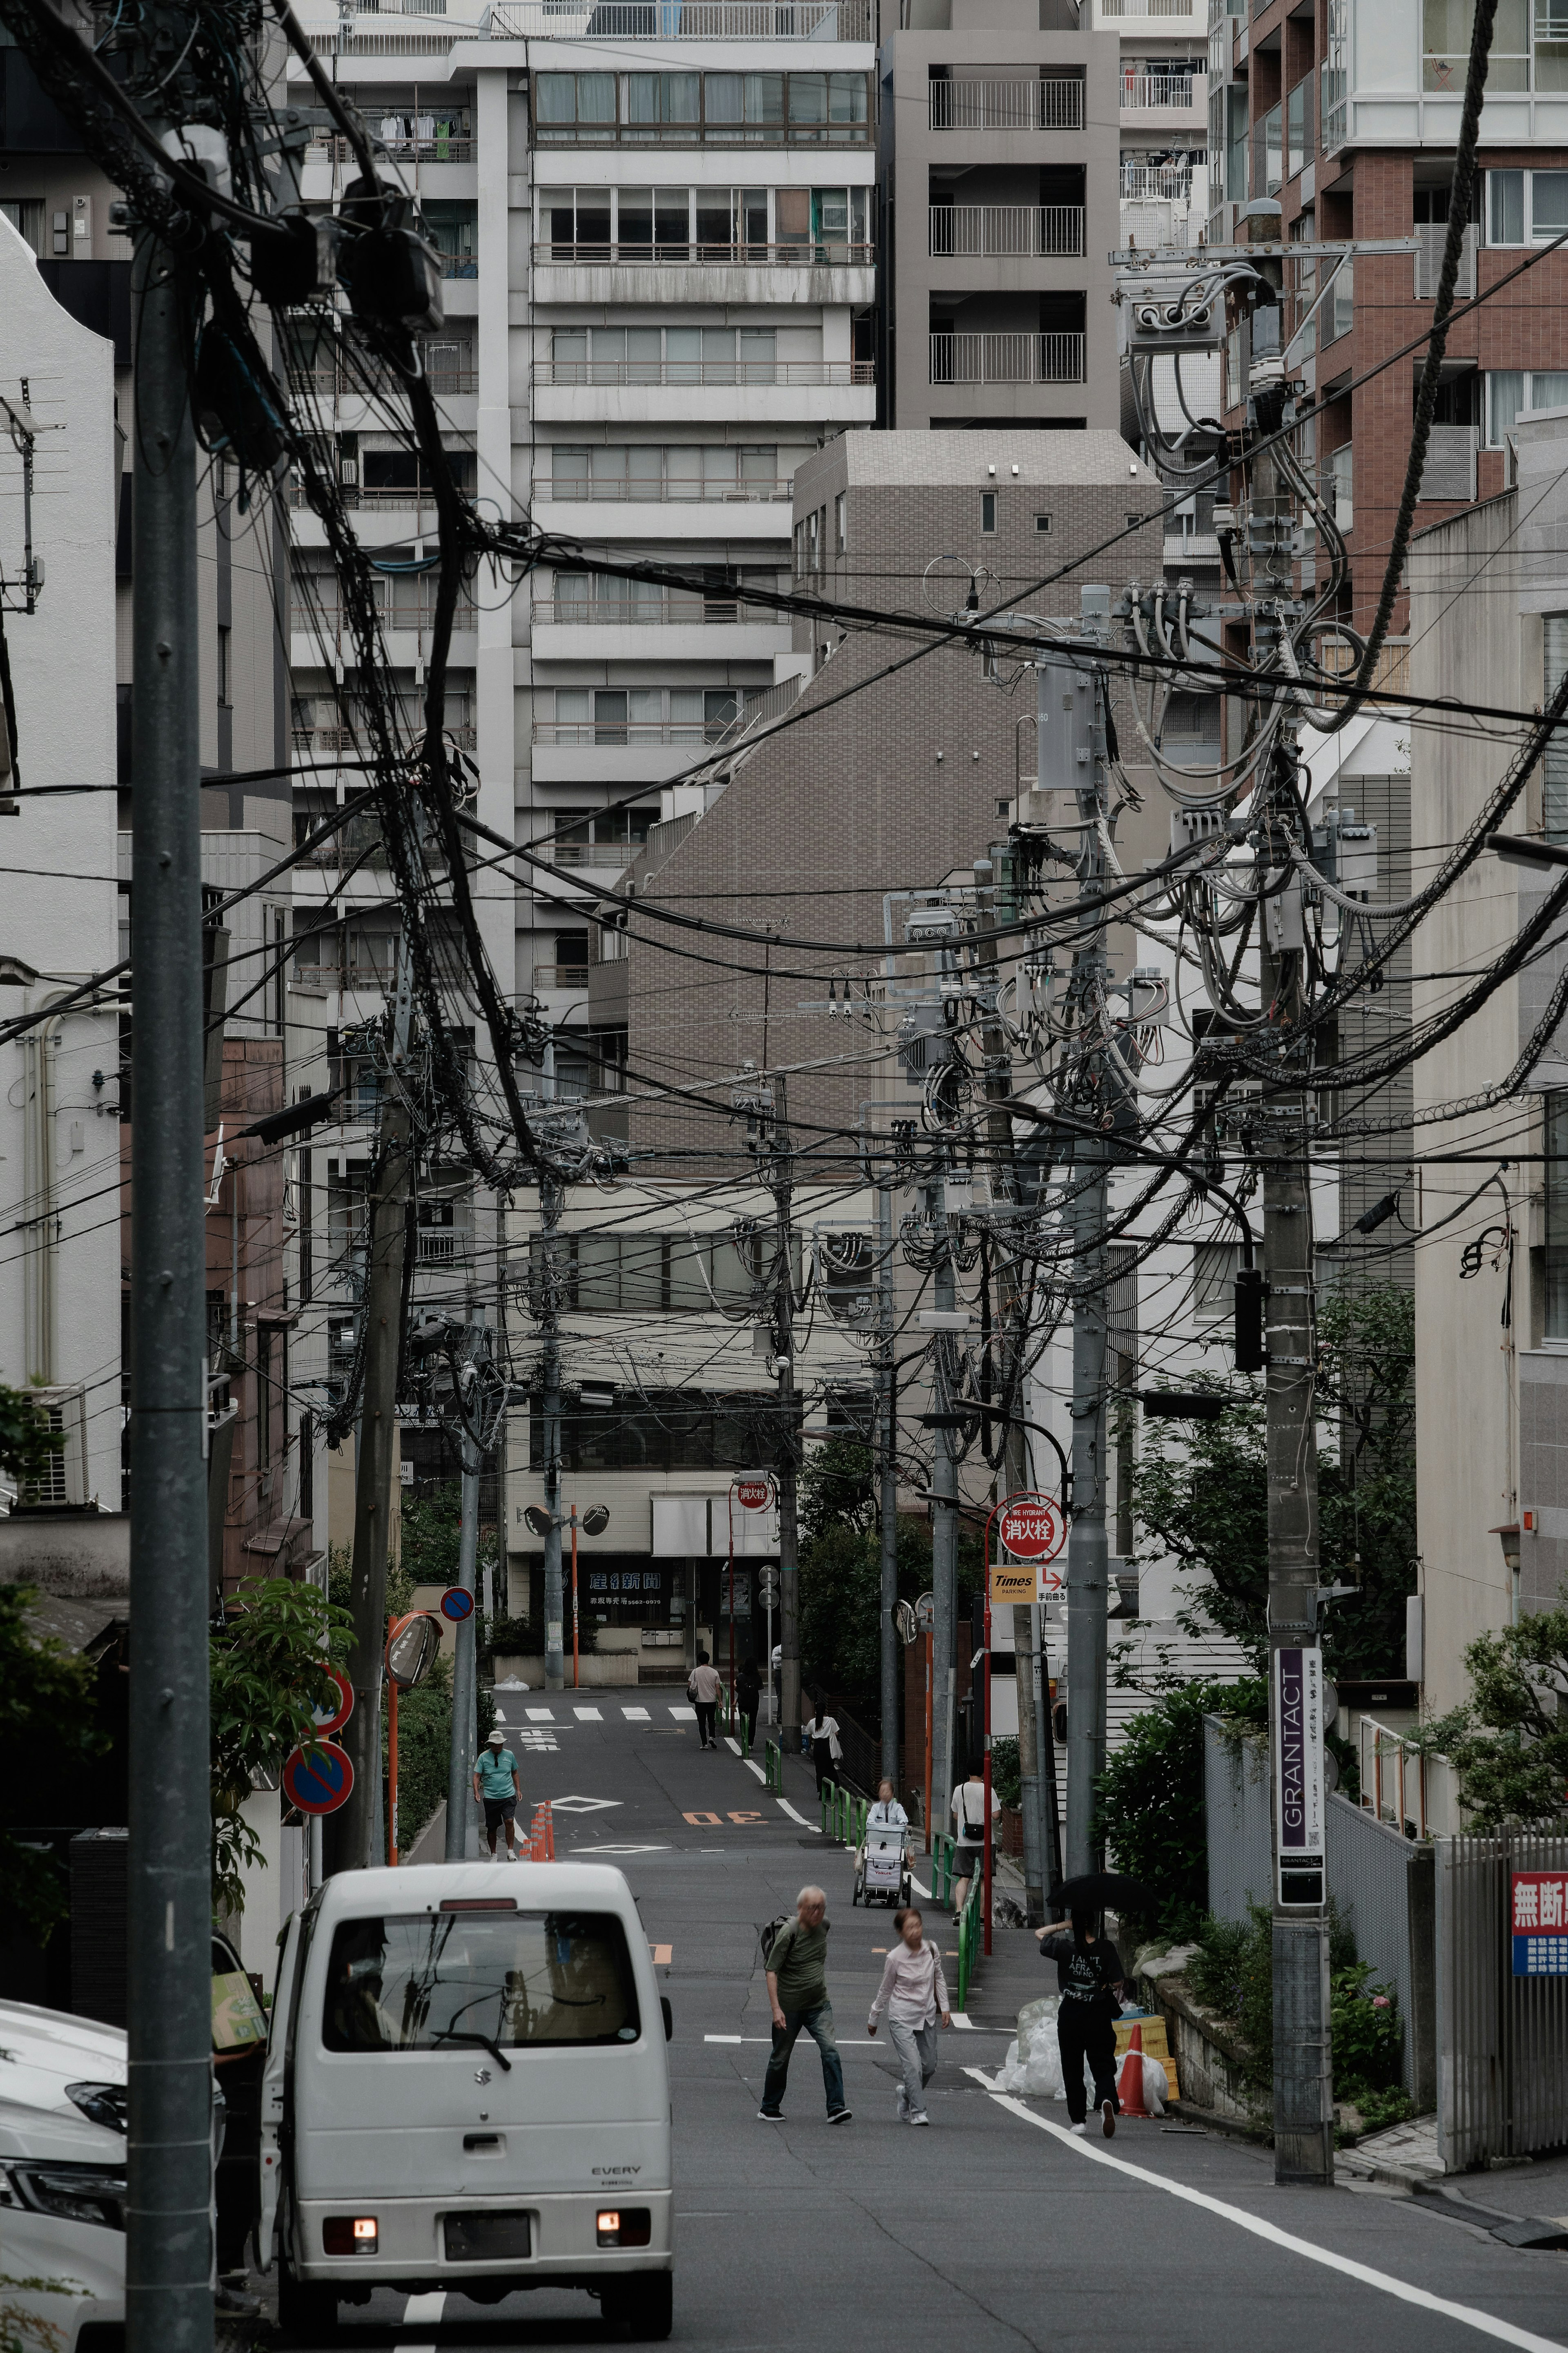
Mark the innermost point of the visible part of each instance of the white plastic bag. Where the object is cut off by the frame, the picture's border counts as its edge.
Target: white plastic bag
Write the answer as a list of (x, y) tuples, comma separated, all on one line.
[(1156, 2085), (1033, 2065)]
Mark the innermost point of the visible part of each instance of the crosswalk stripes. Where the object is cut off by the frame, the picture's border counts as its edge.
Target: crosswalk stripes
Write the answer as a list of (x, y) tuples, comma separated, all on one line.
[(587, 1716), (634, 1714), (541, 1714), (684, 1715)]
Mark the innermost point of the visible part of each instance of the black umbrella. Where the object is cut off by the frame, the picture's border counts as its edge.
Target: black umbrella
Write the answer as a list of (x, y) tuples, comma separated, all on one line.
[(1099, 1891)]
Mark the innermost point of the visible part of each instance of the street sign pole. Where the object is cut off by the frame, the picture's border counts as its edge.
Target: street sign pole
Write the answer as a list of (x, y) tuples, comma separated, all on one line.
[(577, 1668)]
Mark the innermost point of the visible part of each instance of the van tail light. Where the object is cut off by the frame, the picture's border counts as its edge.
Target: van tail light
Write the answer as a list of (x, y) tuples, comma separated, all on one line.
[(350, 2234), (624, 2226)]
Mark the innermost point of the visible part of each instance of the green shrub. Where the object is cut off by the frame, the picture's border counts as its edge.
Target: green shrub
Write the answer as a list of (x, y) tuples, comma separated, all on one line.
[(1151, 1798), (1232, 1973), (1006, 1778)]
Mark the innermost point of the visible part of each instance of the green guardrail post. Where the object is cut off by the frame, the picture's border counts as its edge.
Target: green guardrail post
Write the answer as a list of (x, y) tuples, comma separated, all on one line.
[(772, 1760)]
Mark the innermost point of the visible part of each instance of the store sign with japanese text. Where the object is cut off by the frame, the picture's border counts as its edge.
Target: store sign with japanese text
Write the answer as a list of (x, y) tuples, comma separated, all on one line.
[(1538, 1920)]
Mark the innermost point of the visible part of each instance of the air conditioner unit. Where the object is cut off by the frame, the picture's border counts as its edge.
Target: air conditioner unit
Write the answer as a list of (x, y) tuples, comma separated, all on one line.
[(63, 1479)]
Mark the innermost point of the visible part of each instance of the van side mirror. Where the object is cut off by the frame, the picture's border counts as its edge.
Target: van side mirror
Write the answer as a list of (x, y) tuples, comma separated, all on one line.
[(668, 2017)]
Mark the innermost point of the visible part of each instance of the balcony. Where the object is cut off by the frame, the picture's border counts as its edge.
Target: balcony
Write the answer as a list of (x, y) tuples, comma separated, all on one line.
[(440, 1246), (666, 491), (684, 20), (1029, 231), (835, 256), (1151, 92), (1021, 105), (654, 608), (636, 732), (704, 372), (1007, 359), (435, 146), (560, 975), (367, 381), (1157, 183)]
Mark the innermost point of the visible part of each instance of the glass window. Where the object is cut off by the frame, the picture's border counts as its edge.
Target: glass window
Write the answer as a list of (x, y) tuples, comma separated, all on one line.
[(1505, 207), (1505, 398), (641, 98), (555, 96), (723, 97), (671, 222), (846, 98), (1549, 388), (572, 703), (808, 98), (1554, 764), (634, 217), (680, 96), (437, 1982), (1215, 1266), (765, 98), (792, 211), (1271, 128), (594, 218), (1296, 132), (716, 218), (1556, 1144), (1548, 202), (596, 98)]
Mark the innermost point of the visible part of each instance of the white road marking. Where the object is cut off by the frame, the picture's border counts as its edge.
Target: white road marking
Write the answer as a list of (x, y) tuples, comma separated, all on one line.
[(684, 1715), (1486, 2322), (752, 1766), (915, 1884), (621, 1850), (800, 1818), (853, 2042), (729, 2038), (634, 1714), (541, 1714), (585, 1805), (587, 1716), (426, 2308), (732, 1742), (961, 2018)]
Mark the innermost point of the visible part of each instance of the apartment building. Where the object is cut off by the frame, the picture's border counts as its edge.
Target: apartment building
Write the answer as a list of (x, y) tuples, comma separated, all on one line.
[(1163, 108), (1347, 113), (1491, 1293), (999, 208)]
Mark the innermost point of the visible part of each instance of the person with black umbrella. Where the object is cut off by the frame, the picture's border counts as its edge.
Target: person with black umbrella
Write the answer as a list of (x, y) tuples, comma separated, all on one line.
[(1090, 1976)]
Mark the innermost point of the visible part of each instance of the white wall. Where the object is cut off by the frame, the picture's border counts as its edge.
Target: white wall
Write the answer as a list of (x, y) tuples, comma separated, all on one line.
[(58, 902)]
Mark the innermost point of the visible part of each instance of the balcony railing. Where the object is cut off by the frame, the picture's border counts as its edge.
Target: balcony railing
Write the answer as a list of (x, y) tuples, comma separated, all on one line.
[(1007, 359), (1142, 91), (440, 1246), (704, 372), (590, 853), (634, 731), (1031, 230), (437, 147), (653, 609), (560, 975), (326, 743), (1164, 182), (459, 265), (333, 382), (416, 503), (308, 619), (830, 256), (684, 20), (670, 490), (1154, 8), (1033, 104)]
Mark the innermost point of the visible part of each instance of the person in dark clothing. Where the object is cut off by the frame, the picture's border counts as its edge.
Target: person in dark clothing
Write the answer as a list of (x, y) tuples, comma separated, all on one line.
[(1089, 1977), (822, 1740), (747, 1699)]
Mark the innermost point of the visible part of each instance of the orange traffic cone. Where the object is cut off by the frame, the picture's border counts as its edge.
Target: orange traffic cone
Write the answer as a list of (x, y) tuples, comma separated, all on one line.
[(1130, 2091)]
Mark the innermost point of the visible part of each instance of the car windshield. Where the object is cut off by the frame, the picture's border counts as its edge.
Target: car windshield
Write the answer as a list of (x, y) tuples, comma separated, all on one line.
[(437, 1980)]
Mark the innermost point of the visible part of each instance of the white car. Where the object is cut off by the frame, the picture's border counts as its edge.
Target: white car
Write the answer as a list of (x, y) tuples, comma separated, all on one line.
[(62, 2173)]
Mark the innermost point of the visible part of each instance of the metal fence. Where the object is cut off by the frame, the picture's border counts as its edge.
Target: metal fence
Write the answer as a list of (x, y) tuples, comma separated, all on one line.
[(1031, 230), (1010, 104), (1502, 2062), (1049, 358)]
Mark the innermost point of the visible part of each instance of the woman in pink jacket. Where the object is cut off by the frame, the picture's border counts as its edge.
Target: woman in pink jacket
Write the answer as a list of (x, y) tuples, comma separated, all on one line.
[(913, 1992)]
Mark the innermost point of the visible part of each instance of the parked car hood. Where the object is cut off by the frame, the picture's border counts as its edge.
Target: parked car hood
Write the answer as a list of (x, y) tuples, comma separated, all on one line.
[(41, 2053)]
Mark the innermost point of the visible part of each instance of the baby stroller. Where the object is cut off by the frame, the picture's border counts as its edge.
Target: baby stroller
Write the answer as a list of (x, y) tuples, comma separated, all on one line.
[(881, 1868)]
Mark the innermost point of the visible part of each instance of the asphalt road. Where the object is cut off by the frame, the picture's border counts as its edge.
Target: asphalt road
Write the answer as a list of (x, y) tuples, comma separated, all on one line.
[(996, 2229)]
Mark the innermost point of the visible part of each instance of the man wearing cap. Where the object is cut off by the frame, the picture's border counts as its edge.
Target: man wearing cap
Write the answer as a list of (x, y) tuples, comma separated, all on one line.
[(497, 1785)]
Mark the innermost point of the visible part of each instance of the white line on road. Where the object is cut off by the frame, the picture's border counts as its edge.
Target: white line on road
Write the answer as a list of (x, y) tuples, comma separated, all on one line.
[(855, 2041), (426, 2309), (684, 1715), (587, 1716), (961, 2018), (800, 1818), (752, 1766), (732, 1742), (1486, 2322), (541, 1714), (729, 2038), (634, 1714), (915, 1884)]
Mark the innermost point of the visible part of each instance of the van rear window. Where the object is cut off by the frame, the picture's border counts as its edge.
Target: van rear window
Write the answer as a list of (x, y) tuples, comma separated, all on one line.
[(436, 1981)]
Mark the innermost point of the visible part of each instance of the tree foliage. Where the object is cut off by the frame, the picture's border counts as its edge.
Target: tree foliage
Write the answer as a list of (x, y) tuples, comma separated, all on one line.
[(46, 1723), (266, 1679), (27, 1441), (1201, 1488), (1510, 1741), (1151, 1794)]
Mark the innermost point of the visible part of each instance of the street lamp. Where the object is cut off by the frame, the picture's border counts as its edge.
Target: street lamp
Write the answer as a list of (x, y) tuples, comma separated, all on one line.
[(594, 1523)]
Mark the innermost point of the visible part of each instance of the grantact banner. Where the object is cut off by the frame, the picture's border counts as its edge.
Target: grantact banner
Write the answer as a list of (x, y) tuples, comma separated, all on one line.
[(1298, 1715)]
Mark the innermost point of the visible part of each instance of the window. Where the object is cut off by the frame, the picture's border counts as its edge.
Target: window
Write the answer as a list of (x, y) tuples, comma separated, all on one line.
[(1297, 131), (1215, 1269), (840, 524), (1556, 1145), (987, 510), (1042, 523), (664, 355), (1505, 207), (1446, 26), (25, 215), (225, 697), (1523, 207), (1511, 391), (1270, 134), (676, 1429), (439, 1980), (688, 109)]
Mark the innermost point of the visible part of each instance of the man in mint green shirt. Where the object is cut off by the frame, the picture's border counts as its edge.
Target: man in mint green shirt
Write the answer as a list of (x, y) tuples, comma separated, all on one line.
[(498, 1789)]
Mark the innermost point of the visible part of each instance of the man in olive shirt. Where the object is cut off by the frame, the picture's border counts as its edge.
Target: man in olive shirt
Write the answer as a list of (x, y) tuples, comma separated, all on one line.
[(797, 1993)]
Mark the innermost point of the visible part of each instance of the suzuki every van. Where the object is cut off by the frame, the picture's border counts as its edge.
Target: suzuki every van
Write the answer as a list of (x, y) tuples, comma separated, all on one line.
[(466, 2088)]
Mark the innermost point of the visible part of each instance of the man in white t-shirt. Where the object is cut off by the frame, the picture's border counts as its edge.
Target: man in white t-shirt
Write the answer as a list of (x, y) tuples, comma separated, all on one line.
[(969, 1829)]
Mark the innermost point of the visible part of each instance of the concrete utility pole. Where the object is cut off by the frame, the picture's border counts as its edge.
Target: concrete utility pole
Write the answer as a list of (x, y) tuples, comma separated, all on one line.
[(781, 1184), (893, 1649), (168, 2250), (1071, 738), (551, 1197), (352, 1840), (464, 1722), (944, 1518)]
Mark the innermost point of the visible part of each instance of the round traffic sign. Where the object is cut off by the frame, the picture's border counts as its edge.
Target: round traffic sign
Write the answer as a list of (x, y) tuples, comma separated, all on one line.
[(457, 1605), (767, 1586), (753, 1494), (318, 1780), (1031, 1527), (330, 1715)]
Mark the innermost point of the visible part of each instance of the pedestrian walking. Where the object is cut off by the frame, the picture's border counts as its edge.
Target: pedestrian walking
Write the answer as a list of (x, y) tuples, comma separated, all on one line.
[(748, 1699), (821, 1732), (1090, 1976), (913, 1992), (705, 1688), (969, 1829), (796, 1969), (498, 1789)]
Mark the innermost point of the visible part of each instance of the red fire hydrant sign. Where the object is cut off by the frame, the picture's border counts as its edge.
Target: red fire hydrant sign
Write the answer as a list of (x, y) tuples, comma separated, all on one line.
[(1538, 1918)]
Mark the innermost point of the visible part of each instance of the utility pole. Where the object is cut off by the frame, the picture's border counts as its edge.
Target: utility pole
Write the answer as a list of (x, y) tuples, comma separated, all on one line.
[(1071, 737), (352, 1830), (168, 2251), (465, 1722), (944, 1511), (893, 1649), (552, 1197), (781, 1184)]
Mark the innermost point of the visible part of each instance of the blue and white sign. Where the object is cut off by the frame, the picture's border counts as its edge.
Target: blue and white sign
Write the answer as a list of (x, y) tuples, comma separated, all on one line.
[(457, 1605)]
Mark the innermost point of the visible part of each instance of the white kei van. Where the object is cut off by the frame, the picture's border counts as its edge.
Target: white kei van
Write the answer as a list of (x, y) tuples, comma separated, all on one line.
[(466, 2088)]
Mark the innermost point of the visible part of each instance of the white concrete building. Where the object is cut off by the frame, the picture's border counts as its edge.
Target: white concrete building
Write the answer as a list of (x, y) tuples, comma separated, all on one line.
[(59, 1126)]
